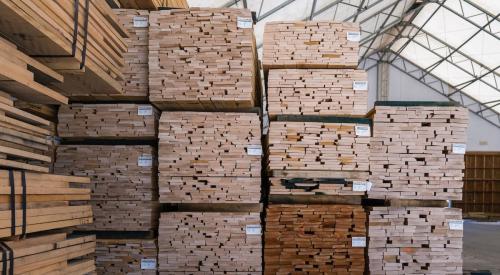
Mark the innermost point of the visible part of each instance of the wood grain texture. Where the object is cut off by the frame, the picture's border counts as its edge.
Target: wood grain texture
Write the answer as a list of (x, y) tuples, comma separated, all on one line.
[(124, 256)]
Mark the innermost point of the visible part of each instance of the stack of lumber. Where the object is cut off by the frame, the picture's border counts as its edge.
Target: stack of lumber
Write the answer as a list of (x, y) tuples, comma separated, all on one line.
[(210, 243), (122, 182), (317, 92), (415, 240), (318, 186), (202, 59), (152, 4), (21, 76), (314, 239), (48, 202), (310, 44), (318, 143), (417, 152), (50, 254), (209, 144), (126, 256), (91, 61), (108, 121), (24, 142)]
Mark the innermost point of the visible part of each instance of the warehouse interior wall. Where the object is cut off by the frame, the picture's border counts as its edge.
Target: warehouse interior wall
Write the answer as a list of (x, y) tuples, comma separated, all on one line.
[(482, 136)]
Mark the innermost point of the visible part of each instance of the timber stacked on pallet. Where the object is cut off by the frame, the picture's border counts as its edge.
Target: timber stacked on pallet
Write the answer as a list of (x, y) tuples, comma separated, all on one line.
[(417, 162), (318, 149), (126, 256), (203, 59), (149, 4), (209, 162)]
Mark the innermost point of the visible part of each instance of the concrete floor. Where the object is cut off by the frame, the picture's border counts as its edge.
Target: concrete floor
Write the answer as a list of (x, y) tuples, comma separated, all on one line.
[(482, 246)]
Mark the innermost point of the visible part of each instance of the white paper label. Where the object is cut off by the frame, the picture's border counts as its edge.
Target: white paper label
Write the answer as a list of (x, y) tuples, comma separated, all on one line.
[(458, 148), (140, 22), (254, 150), (456, 225), (360, 85), (148, 264), (253, 229), (145, 110), (358, 241), (363, 130), (145, 161), (245, 22), (354, 36), (361, 186)]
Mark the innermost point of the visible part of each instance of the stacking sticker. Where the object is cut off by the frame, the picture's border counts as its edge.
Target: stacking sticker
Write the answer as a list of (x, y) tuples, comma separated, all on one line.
[(363, 130), (254, 229), (361, 186), (360, 85), (358, 241), (145, 160), (354, 36), (245, 22), (140, 22), (145, 110), (148, 264), (458, 148), (456, 224), (254, 150)]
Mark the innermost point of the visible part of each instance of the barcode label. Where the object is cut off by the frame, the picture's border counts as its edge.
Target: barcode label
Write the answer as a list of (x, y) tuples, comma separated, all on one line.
[(245, 22), (358, 241), (456, 225), (145, 160), (360, 85), (362, 130), (458, 148), (148, 264), (254, 150), (354, 36), (140, 22), (361, 186), (253, 229), (145, 110)]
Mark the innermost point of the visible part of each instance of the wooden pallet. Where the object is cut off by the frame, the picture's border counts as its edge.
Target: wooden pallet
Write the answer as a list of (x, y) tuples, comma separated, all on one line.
[(126, 256), (314, 239), (199, 59), (108, 121), (210, 243)]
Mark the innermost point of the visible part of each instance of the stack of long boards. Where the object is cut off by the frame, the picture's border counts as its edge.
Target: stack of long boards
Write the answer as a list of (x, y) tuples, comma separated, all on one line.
[(209, 162), (87, 46), (126, 256), (152, 4)]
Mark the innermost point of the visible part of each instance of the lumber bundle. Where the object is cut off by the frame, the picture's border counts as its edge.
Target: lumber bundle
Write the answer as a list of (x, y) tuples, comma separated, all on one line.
[(310, 44), (202, 59), (108, 121), (210, 243), (18, 75), (50, 254), (126, 256), (314, 239), (317, 144), (415, 240), (317, 92), (209, 144), (153, 4), (24, 142), (356, 186), (91, 61), (417, 152), (122, 182), (209, 189), (46, 204)]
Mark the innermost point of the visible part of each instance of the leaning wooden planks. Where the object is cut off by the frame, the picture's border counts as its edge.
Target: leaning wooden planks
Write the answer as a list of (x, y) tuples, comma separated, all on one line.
[(417, 152), (108, 121), (210, 243), (317, 92), (53, 253), (202, 59), (209, 144), (318, 144), (415, 240), (311, 44), (314, 239), (91, 61), (126, 256), (47, 203), (123, 183)]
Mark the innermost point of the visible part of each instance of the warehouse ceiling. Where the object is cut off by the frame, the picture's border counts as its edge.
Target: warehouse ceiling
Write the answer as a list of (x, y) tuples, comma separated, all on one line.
[(451, 46)]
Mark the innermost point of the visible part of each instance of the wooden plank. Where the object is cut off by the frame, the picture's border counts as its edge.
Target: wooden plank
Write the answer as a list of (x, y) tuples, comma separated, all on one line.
[(114, 256)]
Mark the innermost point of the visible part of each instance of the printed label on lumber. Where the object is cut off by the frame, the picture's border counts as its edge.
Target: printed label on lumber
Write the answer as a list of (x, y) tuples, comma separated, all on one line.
[(358, 241), (363, 130), (149, 264), (254, 150), (245, 22), (145, 110), (140, 22), (360, 85), (361, 186), (145, 160), (253, 229), (456, 224), (458, 148), (354, 36)]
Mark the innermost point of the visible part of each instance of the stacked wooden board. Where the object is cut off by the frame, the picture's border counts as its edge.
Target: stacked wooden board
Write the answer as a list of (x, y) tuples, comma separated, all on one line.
[(152, 4), (314, 239), (86, 47), (415, 240), (126, 256), (202, 59), (317, 92), (210, 243), (108, 121), (417, 151), (310, 45), (122, 180)]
